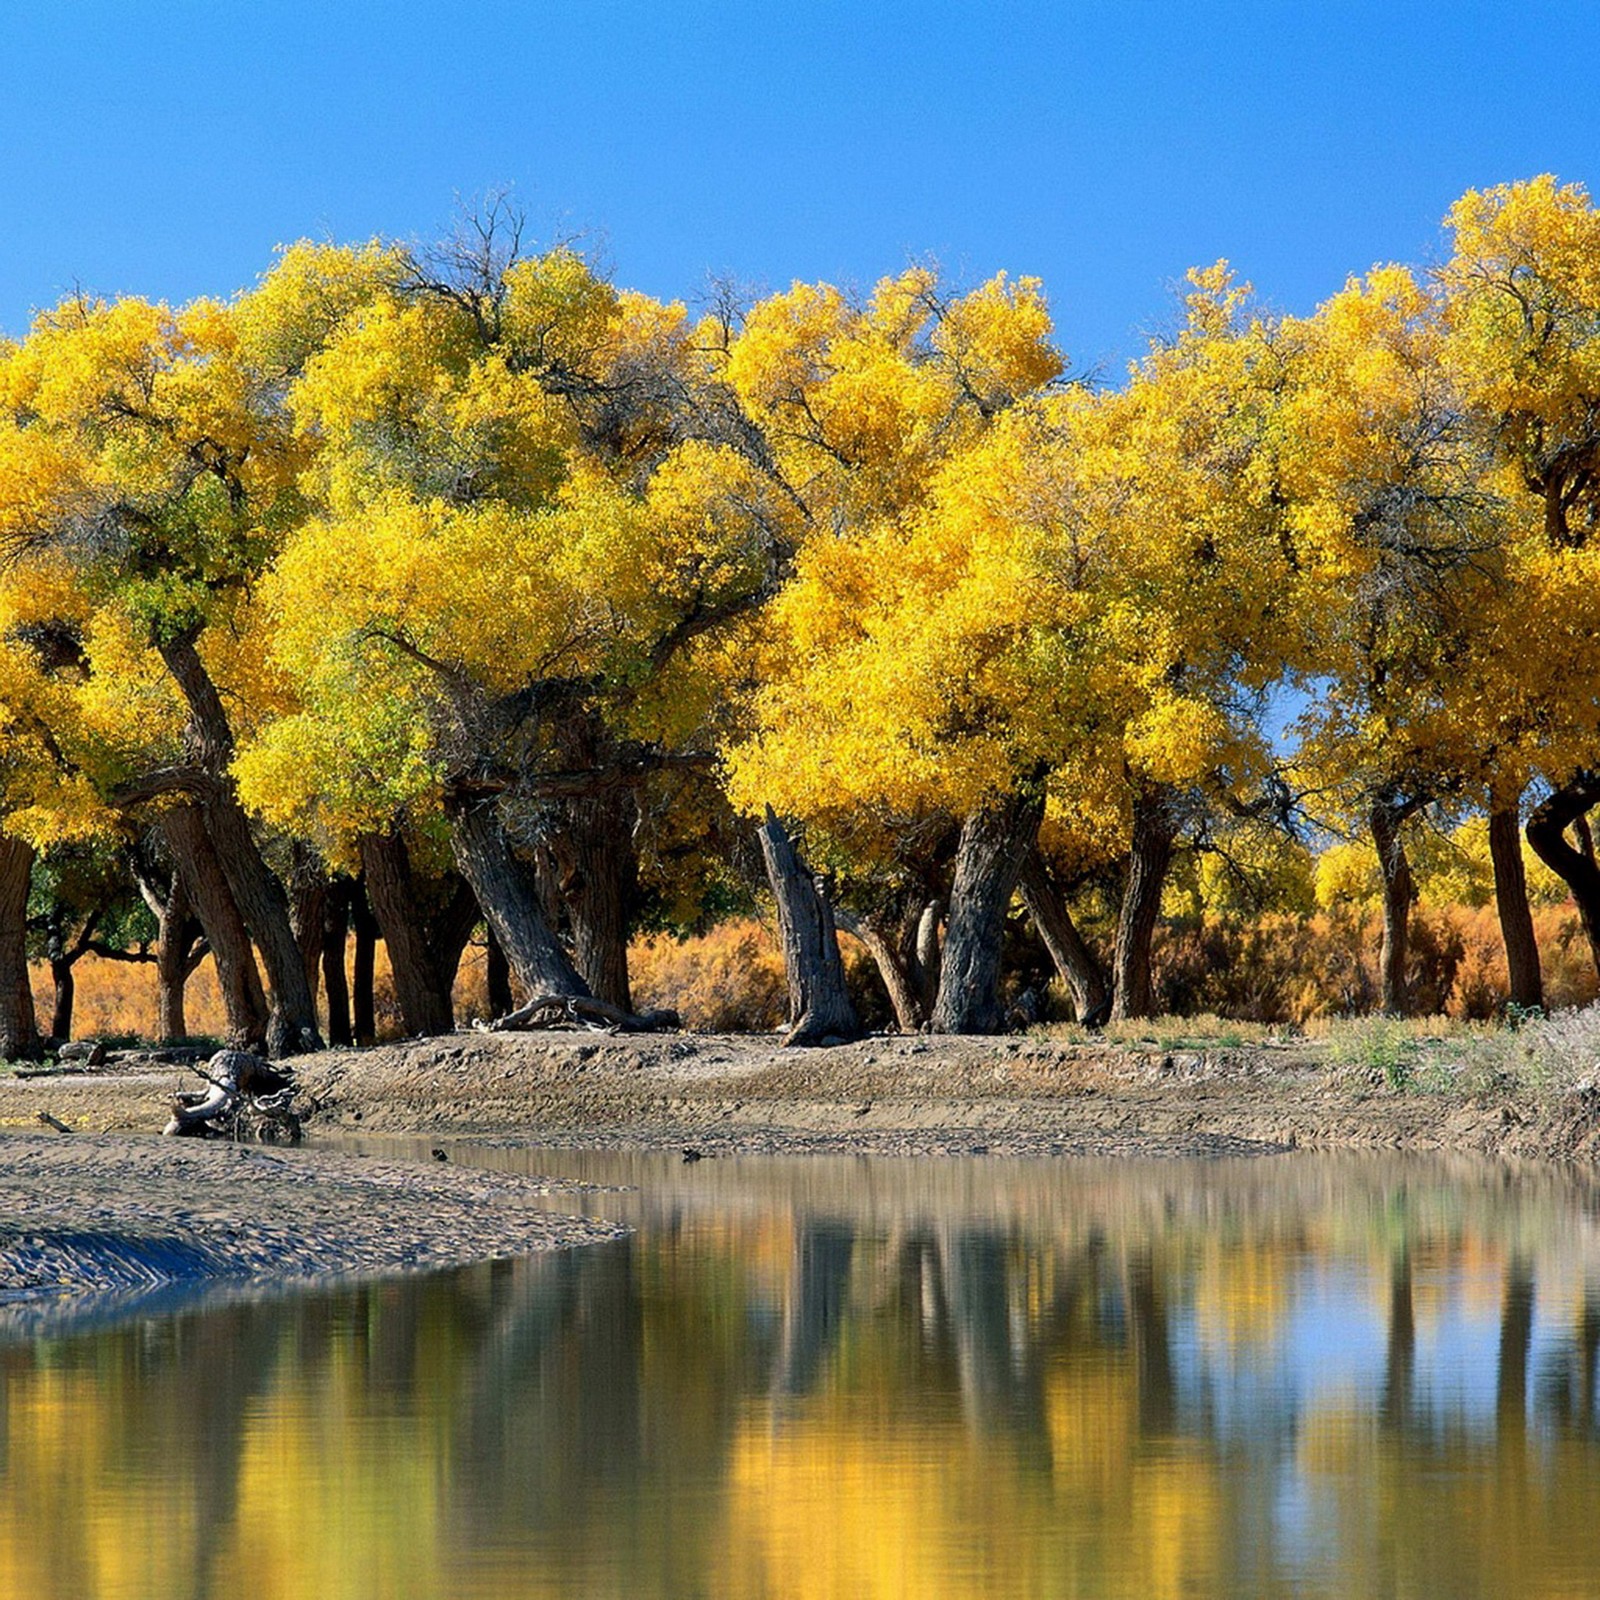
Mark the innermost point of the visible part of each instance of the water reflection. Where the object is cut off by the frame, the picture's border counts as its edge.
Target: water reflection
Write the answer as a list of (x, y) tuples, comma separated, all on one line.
[(1306, 1376)]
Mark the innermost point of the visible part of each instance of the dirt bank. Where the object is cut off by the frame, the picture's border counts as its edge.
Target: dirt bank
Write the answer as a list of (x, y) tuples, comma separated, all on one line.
[(111, 1209), (884, 1095), (111, 1215)]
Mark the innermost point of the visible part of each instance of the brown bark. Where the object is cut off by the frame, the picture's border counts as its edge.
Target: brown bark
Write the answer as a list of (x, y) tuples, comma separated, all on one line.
[(362, 1012), (497, 977), (510, 901), (1399, 891), (259, 896), (335, 985), (178, 932), (66, 988), (423, 997), (1074, 962), (174, 940), (1573, 863), (1150, 855), (188, 839), (1511, 905), (994, 841), (453, 928), (19, 1027), (893, 952), (597, 876), (307, 912), (820, 1007)]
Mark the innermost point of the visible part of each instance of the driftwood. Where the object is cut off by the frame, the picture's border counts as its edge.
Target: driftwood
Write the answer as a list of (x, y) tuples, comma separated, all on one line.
[(568, 1010), (247, 1099)]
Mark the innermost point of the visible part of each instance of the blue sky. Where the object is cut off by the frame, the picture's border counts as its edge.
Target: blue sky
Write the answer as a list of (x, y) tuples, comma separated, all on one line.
[(165, 148)]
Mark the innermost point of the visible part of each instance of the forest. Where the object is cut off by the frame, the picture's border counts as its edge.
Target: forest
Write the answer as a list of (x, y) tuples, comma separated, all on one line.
[(424, 595)]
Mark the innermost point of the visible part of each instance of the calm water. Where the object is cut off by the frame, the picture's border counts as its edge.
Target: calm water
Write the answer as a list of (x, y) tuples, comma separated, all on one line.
[(1304, 1376)]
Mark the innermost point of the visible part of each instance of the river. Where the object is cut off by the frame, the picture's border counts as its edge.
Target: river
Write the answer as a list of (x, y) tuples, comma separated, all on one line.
[(1307, 1375)]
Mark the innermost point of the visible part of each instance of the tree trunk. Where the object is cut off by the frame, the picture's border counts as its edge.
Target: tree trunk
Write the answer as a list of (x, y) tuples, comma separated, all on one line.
[(930, 955), (423, 998), (1074, 962), (307, 911), (597, 878), (362, 1010), (895, 958), (292, 1016), (1150, 855), (497, 978), (174, 941), (188, 840), (66, 989), (510, 902), (335, 935), (453, 928), (820, 1008), (259, 896), (1398, 893), (177, 932), (994, 842), (1511, 904), (19, 1027), (1573, 864)]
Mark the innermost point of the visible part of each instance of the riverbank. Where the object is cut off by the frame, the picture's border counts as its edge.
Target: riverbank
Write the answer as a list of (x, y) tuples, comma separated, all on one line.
[(116, 1215), (110, 1208), (888, 1095)]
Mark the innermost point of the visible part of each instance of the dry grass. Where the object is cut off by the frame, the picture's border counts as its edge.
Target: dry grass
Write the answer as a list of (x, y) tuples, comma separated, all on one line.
[(1225, 982)]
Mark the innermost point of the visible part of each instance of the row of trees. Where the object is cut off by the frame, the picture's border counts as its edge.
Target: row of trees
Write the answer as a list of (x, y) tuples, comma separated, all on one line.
[(456, 587)]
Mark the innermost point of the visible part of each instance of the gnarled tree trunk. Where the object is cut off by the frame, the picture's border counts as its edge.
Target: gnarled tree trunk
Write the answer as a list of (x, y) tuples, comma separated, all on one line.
[(994, 842), (420, 990), (1399, 891), (1573, 863), (335, 985), (1511, 904), (497, 978), (597, 878), (1074, 962), (820, 1007), (259, 896), (894, 953), (19, 1027), (180, 948), (188, 840), (307, 910), (363, 1013), (1155, 827), (510, 901)]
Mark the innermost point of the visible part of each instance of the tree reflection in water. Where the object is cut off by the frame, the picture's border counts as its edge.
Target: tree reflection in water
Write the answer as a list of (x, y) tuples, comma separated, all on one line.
[(1321, 1377)]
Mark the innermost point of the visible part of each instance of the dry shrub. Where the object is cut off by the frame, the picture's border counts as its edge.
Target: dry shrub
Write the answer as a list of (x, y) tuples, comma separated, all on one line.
[(1280, 968), (1271, 969), (117, 999), (727, 981)]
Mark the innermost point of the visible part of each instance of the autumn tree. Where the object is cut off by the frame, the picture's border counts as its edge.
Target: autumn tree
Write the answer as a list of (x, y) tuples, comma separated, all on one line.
[(150, 449), (1522, 302)]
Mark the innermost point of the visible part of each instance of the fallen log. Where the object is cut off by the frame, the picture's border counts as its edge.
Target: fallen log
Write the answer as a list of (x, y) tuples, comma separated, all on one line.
[(580, 1011), (246, 1100)]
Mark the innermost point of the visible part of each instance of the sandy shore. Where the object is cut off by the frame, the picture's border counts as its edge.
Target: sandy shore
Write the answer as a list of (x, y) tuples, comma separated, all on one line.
[(100, 1210), (125, 1215)]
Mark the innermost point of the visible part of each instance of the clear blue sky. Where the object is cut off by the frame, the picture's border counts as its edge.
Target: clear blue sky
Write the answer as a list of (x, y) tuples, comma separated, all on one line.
[(165, 148)]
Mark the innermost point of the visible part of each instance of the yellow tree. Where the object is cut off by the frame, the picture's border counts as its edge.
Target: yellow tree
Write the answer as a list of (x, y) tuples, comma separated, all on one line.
[(1400, 555), (150, 449), (1060, 623), (1522, 305)]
